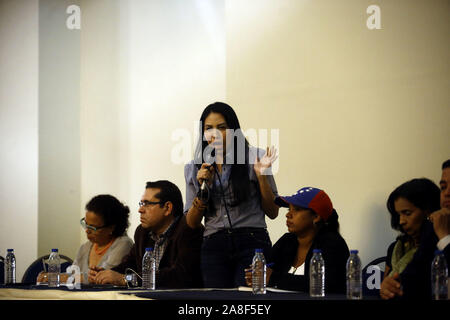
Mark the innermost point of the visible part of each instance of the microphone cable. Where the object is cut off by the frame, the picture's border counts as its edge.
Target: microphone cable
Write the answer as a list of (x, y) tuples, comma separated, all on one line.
[(223, 196)]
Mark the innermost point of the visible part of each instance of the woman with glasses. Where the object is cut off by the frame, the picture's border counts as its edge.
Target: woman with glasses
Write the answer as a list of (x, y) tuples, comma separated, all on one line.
[(106, 223)]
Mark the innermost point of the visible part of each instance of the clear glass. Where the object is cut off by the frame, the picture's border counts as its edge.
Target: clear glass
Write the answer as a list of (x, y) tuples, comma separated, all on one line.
[(87, 226)]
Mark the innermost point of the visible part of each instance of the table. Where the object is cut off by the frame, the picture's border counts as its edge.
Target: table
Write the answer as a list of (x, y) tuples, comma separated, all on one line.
[(110, 292), (209, 303)]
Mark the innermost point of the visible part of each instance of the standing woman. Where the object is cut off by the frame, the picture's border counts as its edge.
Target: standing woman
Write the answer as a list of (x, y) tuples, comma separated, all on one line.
[(241, 192)]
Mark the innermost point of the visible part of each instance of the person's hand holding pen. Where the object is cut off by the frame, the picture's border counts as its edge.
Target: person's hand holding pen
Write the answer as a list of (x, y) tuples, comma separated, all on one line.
[(248, 274)]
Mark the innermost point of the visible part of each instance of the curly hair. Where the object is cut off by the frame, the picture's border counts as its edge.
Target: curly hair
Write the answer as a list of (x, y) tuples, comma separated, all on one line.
[(113, 212)]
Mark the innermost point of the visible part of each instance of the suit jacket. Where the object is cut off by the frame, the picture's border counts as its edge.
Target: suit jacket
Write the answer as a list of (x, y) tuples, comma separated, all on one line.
[(180, 264)]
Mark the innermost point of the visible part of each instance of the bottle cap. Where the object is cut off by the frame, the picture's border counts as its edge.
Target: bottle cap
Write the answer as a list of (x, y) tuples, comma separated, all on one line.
[(148, 249), (258, 250), (317, 251), (10, 250), (354, 251), (54, 250)]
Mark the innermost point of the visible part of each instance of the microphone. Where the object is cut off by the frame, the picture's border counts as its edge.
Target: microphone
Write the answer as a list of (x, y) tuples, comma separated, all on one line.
[(203, 186), (204, 190)]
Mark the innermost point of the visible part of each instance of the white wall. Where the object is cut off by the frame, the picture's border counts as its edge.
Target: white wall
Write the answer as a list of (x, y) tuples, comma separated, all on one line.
[(148, 69), (359, 111), (19, 130), (102, 126), (59, 130)]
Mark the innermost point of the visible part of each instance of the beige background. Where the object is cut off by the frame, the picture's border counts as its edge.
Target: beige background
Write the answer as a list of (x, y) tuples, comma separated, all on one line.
[(358, 111)]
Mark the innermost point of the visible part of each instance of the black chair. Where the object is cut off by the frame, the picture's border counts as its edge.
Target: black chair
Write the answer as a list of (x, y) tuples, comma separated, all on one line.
[(2, 270), (37, 266), (379, 265)]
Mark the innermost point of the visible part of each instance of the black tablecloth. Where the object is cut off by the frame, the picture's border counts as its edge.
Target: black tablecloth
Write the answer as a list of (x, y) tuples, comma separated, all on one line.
[(229, 295)]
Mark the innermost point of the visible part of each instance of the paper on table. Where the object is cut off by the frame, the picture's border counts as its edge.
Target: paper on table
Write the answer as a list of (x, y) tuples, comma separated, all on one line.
[(268, 289)]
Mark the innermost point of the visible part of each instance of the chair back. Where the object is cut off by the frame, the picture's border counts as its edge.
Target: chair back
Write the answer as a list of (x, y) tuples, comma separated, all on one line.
[(372, 276), (37, 266)]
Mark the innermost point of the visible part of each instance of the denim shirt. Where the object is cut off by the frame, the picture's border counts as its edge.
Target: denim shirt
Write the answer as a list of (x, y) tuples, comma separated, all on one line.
[(247, 214)]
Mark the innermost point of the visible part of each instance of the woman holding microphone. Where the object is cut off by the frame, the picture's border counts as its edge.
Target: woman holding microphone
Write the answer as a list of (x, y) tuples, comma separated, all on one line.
[(229, 183)]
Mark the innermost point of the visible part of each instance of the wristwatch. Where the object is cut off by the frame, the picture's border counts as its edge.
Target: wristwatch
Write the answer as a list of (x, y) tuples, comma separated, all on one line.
[(130, 280)]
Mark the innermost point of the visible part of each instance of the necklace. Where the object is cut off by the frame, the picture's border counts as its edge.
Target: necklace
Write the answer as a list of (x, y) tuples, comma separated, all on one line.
[(101, 251)]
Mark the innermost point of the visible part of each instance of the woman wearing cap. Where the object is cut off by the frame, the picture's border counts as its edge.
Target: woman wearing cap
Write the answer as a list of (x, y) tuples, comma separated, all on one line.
[(312, 224), (408, 261), (241, 193)]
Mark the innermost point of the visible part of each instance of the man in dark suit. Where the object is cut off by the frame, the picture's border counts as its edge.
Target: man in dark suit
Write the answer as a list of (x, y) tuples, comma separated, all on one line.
[(441, 218), (163, 227)]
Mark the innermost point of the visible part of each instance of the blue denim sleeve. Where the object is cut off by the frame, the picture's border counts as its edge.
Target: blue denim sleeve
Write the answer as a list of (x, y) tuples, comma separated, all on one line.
[(191, 190)]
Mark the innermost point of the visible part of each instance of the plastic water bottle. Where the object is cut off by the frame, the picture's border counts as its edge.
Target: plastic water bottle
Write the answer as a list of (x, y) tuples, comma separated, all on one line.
[(10, 267), (317, 275), (259, 272), (354, 276), (439, 277), (149, 270), (54, 269)]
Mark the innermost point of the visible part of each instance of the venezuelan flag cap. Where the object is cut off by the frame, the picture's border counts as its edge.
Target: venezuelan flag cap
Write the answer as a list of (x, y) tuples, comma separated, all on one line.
[(309, 198)]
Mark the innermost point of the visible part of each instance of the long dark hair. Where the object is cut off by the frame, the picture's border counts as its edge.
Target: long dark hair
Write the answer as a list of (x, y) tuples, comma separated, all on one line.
[(329, 225), (240, 181)]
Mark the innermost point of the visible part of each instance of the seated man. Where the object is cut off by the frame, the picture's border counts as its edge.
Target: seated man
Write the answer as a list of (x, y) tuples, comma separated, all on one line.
[(441, 218), (163, 227)]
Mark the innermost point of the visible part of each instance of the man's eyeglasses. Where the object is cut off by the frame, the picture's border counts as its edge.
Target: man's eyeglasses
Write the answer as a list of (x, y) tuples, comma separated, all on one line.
[(146, 203), (87, 226)]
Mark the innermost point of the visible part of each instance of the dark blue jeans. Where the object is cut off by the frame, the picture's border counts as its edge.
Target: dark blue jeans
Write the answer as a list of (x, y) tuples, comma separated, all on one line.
[(226, 254)]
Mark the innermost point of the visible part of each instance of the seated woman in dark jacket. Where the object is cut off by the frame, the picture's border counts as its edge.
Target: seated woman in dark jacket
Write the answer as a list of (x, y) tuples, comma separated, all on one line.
[(408, 261), (312, 224)]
